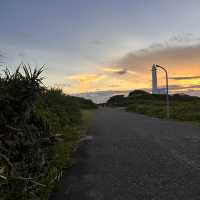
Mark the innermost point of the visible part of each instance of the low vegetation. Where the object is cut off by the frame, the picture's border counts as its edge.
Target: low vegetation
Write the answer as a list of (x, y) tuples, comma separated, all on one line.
[(87, 116), (39, 130), (182, 107)]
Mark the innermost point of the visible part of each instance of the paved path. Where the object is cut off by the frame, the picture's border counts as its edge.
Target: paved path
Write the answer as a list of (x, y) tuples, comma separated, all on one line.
[(134, 157)]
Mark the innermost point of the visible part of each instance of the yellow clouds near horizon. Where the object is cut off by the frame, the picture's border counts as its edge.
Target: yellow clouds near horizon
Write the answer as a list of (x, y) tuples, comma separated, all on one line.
[(105, 79), (133, 70), (104, 82), (83, 82), (121, 79), (118, 70), (181, 61), (86, 78)]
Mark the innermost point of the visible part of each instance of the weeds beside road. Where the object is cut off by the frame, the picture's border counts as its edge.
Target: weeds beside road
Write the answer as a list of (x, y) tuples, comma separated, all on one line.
[(182, 107), (179, 110), (39, 130)]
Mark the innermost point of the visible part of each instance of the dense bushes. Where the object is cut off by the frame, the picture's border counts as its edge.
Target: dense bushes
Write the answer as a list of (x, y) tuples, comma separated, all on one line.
[(24, 157), (117, 100), (85, 103), (53, 105), (39, 129)]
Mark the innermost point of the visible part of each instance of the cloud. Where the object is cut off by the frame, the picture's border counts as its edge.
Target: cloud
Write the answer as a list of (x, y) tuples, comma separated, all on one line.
[(179, 54), (61, 85), (118, 71), (176, 54), (122, 72), (2, 57), (87, 78), (184, 87), (115, 70), (183, 38), (104, 79), (168, 56), (190, 87), (96, 42), (184, 78), (193, 92)]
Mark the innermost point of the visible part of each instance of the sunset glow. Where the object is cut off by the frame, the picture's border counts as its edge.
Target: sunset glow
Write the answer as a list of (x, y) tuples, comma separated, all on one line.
[(89, 46)]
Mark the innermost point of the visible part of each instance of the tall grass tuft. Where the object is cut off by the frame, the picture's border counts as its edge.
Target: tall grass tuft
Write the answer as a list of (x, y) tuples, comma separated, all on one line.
[(39, 130), (24, 156)]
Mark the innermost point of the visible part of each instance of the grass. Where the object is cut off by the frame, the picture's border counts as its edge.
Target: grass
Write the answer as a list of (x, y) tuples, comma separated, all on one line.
[(179, 110), (40, 129), (182, 107), (87, 116), (64, 150)]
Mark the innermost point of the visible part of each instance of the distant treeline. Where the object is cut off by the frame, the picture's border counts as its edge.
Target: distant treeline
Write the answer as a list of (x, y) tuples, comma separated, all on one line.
[(39, 129), (182, 107)]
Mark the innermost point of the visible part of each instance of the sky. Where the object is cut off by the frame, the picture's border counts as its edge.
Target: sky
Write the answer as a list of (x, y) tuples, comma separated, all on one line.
[(104, 45)]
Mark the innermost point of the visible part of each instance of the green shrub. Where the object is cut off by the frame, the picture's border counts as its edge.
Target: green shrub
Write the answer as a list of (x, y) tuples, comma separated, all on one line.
[(180, 110), (24, 157), (39, 129)]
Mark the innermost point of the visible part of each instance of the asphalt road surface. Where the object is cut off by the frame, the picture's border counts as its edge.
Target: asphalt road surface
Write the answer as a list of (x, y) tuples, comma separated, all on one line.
[(129, 156)]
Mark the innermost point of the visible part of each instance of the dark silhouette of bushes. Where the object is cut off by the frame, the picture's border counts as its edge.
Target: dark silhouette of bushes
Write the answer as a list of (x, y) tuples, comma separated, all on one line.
[(39, 128), (53, 105), (138, 93), (86, 103), (23, 156), (117, 100)]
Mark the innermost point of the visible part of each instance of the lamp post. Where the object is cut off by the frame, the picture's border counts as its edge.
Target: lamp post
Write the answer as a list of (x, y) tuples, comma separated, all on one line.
[(167, 90)]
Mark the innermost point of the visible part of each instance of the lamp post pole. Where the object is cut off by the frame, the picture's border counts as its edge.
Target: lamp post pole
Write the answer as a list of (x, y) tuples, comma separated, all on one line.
[(167, 90)]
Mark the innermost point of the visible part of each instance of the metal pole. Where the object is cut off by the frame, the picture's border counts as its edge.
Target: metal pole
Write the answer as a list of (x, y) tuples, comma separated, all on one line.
[(167, 92)]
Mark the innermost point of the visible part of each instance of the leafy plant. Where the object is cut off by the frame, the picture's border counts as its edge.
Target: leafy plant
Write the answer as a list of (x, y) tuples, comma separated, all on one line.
[(25, 138)]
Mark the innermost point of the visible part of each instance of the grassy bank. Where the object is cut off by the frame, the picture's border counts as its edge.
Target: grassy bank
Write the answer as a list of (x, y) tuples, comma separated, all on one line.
[(87, 116), (182, 107), (39, 131), (183, 111), (65, 149)]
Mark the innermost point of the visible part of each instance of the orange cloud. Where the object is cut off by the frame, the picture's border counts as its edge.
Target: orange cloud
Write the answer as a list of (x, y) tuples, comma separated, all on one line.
[(106, 80), (86, 78), (133, 70), (119, 71)]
